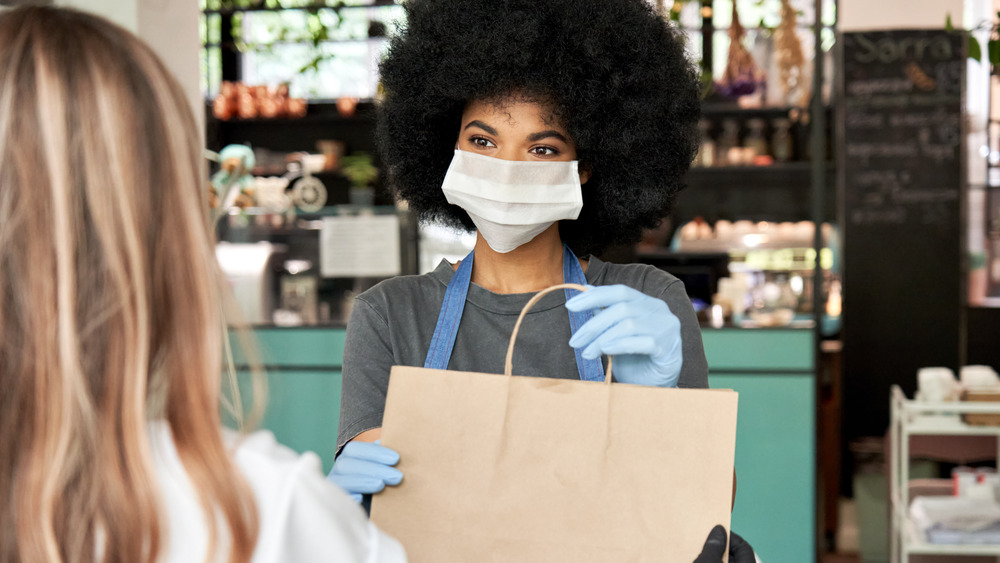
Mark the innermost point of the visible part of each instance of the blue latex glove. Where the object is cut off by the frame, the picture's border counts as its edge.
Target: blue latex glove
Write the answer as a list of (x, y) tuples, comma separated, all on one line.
[(739, 550), (365, 468), (638, 330)]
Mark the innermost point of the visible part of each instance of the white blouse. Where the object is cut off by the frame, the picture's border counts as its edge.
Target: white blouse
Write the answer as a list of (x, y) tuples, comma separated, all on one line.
[(303, 517)]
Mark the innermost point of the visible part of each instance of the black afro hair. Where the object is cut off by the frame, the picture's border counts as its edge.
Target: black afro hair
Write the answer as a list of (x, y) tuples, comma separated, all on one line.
[(615, 73)]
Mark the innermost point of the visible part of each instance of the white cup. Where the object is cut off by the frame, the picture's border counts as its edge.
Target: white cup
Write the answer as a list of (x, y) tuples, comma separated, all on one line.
[(979, 376), (936, 384)]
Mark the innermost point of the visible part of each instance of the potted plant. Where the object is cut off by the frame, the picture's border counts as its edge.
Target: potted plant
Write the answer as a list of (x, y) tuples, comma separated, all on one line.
[(361, 172)]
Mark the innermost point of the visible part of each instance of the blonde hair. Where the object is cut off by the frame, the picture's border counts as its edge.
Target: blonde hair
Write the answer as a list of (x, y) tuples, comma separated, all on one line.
[(109, 298)]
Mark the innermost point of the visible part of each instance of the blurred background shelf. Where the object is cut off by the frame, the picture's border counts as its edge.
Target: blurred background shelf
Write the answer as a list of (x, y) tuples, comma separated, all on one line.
[(776, 192)]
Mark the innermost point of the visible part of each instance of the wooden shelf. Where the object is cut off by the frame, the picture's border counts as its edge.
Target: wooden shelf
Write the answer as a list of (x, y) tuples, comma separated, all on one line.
[(778, 192), (788, 175), (799, 166), (721, 110), (291, 135)]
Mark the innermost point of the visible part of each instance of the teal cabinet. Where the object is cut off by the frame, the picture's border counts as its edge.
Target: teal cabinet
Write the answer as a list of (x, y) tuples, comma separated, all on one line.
[(303, 375), (773, 371)]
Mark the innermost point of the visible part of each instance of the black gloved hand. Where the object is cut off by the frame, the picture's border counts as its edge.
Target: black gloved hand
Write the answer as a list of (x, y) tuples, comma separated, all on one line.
[(739, 550)]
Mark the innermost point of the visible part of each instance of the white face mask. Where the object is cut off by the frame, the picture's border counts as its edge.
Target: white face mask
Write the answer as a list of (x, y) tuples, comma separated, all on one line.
[(511, 202)]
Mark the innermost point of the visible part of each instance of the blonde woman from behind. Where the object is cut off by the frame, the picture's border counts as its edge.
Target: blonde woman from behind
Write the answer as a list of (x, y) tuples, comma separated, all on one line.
[(111, 446)]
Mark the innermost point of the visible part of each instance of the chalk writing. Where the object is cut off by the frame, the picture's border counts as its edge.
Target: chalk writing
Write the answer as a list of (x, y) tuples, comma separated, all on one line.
[(888, 50), (880, 86), (901, 128)]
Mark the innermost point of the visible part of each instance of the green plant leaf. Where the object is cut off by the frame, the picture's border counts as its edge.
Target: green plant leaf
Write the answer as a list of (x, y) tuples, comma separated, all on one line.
[(993, 51), (359, 169), (975, 51), (312, 65), (947, 23)]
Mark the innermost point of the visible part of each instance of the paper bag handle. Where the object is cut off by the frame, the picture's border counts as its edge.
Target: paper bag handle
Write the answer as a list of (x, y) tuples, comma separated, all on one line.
[(508, 367)]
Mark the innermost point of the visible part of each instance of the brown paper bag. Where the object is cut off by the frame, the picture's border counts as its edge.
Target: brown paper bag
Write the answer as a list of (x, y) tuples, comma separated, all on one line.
[(526, 469)]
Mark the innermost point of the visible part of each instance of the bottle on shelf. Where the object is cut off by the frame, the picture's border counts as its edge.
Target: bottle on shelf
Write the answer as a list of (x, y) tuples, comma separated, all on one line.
[(756, 143), (781, 140), (706, 151), (728, 148)]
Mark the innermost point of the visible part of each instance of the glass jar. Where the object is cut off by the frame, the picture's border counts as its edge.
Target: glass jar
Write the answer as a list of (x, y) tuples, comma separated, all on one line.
[(728, 148), (706, 151), (781, 140), (755, 140)]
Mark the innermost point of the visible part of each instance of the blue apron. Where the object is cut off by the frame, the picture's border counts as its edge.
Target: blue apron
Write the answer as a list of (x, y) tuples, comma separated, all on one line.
[(450, 316)]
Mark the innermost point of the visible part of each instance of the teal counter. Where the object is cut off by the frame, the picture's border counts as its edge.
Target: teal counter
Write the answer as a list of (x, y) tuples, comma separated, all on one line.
[(303, 368), (772, 369)]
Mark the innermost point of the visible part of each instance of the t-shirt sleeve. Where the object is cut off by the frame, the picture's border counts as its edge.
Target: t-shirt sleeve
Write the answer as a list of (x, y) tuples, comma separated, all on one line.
[(368, 358), (694, 370), (303, 516)]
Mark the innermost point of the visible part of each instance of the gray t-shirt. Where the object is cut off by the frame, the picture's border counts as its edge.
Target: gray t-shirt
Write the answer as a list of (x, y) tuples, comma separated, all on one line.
[(393, 322)]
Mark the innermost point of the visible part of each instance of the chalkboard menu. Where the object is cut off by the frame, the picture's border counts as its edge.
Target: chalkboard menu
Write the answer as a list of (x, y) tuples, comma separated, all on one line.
[(900, 177)]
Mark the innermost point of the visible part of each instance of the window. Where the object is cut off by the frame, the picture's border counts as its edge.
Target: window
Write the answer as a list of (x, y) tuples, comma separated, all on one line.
[(327, 49), (322, 51), (707, 24), (759, 18)]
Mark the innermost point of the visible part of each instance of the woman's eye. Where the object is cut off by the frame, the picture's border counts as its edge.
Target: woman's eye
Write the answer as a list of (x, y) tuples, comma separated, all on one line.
[(544, 151), (482, 142)]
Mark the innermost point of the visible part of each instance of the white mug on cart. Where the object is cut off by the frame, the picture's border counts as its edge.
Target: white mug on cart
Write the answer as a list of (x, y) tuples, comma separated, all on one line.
[(936, 384)]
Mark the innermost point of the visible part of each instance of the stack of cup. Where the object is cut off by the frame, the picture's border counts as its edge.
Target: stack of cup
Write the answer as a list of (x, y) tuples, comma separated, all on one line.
[(979, 377), (937, 384)]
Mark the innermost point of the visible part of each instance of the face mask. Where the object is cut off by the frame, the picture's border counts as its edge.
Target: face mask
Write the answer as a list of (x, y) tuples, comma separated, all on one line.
[(511, 202)]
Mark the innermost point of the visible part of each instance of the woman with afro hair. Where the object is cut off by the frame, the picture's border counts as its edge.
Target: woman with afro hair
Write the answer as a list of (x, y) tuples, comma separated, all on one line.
[(555, 129)]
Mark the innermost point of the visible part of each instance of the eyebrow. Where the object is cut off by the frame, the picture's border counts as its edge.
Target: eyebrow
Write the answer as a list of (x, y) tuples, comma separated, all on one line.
[(547, 134), (481, 125)]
